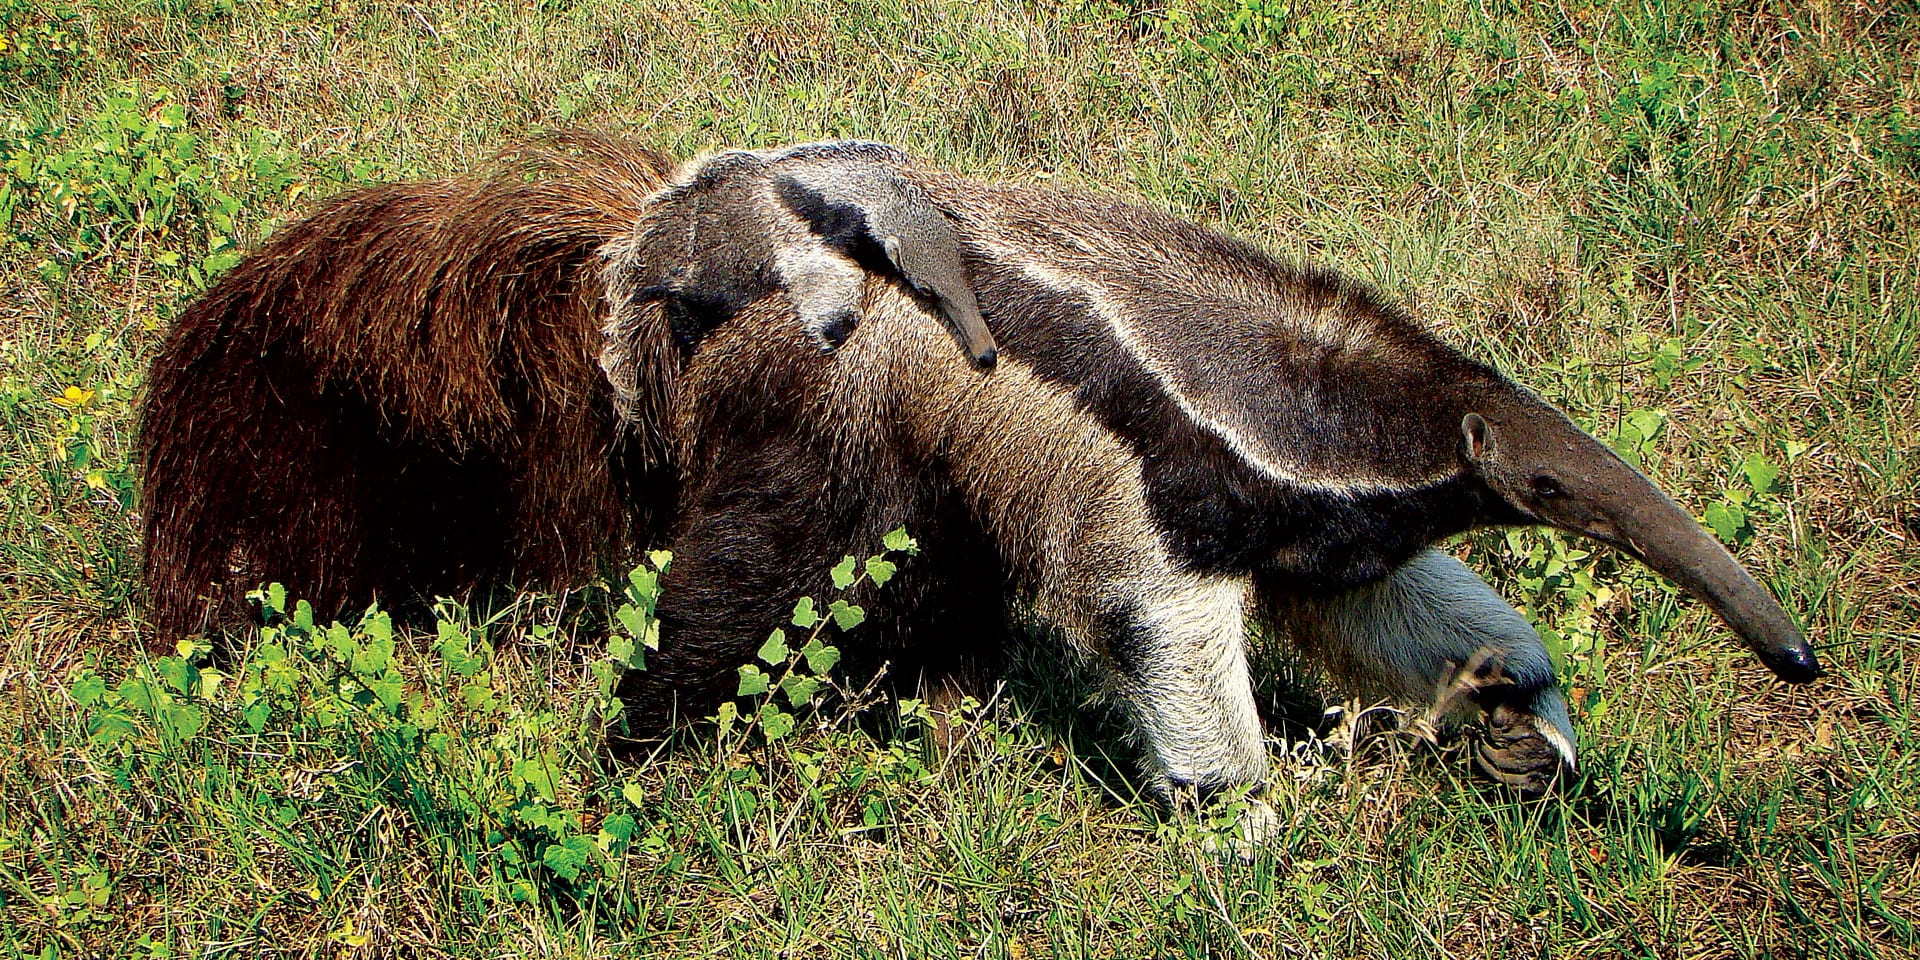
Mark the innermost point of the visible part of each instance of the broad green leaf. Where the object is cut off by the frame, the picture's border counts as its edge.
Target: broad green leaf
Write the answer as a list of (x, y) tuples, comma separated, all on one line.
[(775, 722), (567, 858), (775, 651), (620, 649), (112, 726), (725, 718), (256, 714), (276, 598), (752, 681), (179, 674), (631, 620), (139, 694), (390, 688), (843, 573), (799, 689), (661, 560), (644, 584), (87, 688), (182, 722), (804, 614), (847, 615), (373, 656), (879, 571), (209, 684), (379, 626), (538, 774), (821, 657), (616, 831), (1726, 521), (340, 642), (1647, 423), (634, 794), (303, 616), (1761, 473), (897, 539)]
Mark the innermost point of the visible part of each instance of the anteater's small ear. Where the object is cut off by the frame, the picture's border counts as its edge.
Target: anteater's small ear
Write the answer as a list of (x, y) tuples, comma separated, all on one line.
[(1475, 435), (891, 244)]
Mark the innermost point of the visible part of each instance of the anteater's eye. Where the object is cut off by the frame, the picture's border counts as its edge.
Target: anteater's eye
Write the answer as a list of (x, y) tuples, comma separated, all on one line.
[(1546, 487)]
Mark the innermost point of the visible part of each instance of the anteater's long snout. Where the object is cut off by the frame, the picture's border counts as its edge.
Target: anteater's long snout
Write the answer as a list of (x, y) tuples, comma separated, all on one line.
[(1645, 522)]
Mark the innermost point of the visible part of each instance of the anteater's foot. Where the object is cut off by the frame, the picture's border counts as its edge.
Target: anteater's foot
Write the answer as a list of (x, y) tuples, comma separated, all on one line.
[(1526, 741), (1512, 751)]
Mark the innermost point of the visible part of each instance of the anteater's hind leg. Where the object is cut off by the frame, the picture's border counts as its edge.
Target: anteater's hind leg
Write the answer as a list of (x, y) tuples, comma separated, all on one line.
[(1434, 635)]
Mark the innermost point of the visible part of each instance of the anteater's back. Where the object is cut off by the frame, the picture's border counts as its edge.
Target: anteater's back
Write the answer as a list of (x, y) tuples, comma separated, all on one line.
[(399, 395)]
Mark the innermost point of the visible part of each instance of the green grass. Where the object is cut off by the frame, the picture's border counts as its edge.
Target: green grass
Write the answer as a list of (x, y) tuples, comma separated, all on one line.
[(1693, 226)]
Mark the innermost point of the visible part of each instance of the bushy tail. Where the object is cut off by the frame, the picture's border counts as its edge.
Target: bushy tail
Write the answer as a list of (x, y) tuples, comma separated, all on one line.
[(400, 394)]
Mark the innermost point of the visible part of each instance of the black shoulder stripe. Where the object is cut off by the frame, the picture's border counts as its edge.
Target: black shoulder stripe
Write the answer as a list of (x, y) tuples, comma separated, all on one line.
[(843, 225)]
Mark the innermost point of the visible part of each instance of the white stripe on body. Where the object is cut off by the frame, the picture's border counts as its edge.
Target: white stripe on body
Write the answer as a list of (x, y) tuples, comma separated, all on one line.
[(1241, 438)]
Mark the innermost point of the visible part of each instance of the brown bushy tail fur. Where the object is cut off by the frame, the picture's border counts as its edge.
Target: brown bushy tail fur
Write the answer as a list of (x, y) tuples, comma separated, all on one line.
[(400, 395)]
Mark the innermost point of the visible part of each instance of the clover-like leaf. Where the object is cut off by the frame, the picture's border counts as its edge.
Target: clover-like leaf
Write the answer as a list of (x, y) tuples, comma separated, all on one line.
[(775, 650), (880, 571), (633, 793), (821, 657), (847, 615), (804, 614), (753, 681), (843, 573)]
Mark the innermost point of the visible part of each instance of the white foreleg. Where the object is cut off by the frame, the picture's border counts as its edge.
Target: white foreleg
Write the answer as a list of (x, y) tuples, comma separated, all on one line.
[(1186, 684), (1432, 631)]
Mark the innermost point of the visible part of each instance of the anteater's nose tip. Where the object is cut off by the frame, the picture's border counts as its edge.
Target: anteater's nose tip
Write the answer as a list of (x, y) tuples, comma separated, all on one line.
[(987, 358), (1794, 665)]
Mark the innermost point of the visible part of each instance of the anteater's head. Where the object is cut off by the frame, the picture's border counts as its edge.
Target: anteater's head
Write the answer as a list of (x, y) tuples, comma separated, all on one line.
[(1550, 471)]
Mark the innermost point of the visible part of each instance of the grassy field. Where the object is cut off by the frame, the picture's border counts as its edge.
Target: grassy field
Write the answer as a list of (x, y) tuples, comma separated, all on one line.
[(1693, 226)]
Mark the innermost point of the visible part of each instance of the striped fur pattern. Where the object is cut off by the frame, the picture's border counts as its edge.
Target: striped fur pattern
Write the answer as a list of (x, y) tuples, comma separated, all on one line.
[(809, 222), (435, 386)]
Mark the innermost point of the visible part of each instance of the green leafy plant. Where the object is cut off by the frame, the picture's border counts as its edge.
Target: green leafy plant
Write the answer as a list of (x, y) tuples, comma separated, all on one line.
[(1753, 494), (38, 41), (797, 673)]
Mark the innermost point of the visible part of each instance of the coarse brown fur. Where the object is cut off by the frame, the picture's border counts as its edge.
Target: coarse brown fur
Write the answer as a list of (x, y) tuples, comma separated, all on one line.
[(399, 395)]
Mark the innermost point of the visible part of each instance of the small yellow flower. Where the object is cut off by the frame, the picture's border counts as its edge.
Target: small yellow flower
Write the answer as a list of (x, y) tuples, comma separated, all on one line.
[(73, 398)]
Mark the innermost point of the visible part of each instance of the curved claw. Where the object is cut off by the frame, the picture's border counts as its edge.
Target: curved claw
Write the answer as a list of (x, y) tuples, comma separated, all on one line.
[(1527, 746)]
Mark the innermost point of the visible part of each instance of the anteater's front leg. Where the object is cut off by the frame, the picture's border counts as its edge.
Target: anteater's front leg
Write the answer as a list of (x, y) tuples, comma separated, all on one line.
[(1179, 646), (1433, 635)]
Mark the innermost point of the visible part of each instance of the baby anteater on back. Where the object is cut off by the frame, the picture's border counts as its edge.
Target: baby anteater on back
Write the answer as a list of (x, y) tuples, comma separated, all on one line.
[(813, 220)]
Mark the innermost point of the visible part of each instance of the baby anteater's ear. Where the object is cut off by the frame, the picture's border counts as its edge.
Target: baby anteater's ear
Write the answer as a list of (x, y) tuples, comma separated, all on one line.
[(864, 209)]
